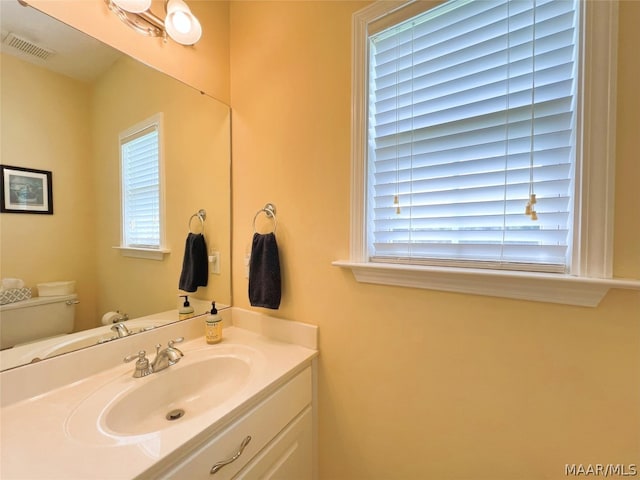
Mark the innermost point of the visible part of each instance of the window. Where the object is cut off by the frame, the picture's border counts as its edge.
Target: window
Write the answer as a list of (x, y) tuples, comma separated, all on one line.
[(142, 192), (472, 114), (462, 112)]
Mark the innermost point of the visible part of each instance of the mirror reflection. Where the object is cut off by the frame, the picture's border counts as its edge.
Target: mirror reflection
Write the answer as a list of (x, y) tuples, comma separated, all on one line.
[(63, 112)]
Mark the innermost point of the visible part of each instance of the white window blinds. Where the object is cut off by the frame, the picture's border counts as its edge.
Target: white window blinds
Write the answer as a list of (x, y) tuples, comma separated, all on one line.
[(473, 109), (141, 188)]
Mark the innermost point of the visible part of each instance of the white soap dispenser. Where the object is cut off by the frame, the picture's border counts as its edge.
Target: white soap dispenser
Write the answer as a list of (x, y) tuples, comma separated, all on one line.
[(213, 326), (186, 311)]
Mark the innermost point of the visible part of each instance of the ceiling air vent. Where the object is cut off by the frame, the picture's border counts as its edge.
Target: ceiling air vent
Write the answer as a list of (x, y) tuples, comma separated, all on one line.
[(27, 47)]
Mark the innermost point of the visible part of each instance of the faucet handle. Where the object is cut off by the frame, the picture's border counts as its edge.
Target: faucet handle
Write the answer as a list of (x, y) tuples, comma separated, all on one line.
[(142, 365), (141, 355), (170, 344)]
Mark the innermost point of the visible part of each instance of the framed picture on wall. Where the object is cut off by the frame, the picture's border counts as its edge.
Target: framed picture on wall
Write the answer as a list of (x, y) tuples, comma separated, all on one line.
[(25, 190)]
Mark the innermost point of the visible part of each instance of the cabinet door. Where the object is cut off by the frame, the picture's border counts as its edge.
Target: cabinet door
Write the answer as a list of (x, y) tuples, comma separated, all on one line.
[(288, 457)]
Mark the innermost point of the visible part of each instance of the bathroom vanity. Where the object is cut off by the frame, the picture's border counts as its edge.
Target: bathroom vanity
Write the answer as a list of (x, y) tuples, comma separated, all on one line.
[(243, 408)]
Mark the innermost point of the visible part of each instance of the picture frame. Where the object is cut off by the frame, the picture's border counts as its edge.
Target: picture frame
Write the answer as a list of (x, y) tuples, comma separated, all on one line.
[(25, 190)]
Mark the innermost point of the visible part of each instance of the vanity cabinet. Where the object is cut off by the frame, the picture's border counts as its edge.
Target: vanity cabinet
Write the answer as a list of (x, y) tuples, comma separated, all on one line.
[(272, 440)]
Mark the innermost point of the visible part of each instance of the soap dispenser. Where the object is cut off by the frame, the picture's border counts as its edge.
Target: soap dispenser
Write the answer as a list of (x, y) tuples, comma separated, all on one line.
[(186, 311), (213, 326)]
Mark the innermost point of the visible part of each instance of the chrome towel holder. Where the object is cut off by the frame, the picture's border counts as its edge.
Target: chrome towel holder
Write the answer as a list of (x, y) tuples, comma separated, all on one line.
[(270, 211), (200, 215)]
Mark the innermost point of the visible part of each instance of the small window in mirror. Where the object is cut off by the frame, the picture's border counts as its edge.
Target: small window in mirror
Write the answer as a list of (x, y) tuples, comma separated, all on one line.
[(141, 172)]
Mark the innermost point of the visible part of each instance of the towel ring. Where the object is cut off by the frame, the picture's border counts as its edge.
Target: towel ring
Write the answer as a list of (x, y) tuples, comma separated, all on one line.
[(270, 211), (200, 215)]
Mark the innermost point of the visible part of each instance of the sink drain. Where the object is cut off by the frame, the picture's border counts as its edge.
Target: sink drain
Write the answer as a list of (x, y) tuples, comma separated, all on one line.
[(175, 414)]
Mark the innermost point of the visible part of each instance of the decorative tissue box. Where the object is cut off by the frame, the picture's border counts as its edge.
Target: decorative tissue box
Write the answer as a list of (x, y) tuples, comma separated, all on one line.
[(14, 295)]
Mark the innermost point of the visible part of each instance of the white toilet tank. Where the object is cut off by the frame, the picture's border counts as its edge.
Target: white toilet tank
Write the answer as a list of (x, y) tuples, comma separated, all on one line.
[(36, 318)]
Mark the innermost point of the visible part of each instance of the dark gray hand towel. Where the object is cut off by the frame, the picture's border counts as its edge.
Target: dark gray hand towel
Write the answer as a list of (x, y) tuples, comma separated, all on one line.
[(264, 272), (195, 266)]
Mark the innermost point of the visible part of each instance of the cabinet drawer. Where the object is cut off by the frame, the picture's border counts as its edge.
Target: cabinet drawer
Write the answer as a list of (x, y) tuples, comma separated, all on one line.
[(262, 424), (288, 457)]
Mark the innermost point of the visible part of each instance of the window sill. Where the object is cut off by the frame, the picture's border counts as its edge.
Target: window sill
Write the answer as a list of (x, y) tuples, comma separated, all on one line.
[(146, 253), (538, 287)]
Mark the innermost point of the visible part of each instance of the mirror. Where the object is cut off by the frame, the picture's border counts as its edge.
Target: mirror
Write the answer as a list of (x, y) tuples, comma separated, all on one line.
[(64, 114)]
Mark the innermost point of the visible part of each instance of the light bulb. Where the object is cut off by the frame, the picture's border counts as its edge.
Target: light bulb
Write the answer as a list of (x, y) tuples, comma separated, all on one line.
[(181, 25), (181, 22)]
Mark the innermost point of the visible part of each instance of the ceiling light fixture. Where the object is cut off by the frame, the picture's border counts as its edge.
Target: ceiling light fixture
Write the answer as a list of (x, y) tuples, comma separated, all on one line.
[(179, 24)]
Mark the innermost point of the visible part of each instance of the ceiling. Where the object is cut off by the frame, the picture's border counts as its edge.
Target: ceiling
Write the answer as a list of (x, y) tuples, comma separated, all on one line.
[(32, 31)]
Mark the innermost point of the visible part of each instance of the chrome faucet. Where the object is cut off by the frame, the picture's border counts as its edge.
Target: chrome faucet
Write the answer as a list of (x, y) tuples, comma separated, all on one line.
[(121, 329), (164, 359), (168, 356)]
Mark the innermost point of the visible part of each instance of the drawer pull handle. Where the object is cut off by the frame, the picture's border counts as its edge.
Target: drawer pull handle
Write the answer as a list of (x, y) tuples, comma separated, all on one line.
[(221, 464)]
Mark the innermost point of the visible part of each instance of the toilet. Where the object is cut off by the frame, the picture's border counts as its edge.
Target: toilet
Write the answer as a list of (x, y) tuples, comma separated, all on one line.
[(36, 318)]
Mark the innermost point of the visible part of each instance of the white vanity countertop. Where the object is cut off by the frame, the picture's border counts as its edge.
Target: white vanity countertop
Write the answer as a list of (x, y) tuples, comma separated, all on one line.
[(36, 441)]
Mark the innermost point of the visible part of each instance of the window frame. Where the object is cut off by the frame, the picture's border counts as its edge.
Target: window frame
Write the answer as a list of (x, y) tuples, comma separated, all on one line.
[(592, 257), (155, 121)]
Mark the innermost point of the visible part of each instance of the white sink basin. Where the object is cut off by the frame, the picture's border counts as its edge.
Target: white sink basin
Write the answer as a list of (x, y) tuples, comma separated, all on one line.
[(191, 390), (127, 408)]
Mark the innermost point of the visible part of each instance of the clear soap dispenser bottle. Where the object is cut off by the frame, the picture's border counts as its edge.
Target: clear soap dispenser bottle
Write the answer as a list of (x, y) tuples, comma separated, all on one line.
[(186, 311), (213, 326)]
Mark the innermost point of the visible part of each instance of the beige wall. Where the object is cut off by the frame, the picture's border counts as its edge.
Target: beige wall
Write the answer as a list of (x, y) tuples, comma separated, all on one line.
[(418, 384), (45, 125), (196, 165)]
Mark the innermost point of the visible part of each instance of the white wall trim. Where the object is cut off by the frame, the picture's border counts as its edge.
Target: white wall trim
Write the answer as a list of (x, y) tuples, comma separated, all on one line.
[(537, 287), (596, 192), (146, 253), (359, 95)]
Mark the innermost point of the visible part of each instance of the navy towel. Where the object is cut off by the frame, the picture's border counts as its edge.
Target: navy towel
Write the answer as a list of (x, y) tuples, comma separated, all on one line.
[(195, 266), (264, 272)]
